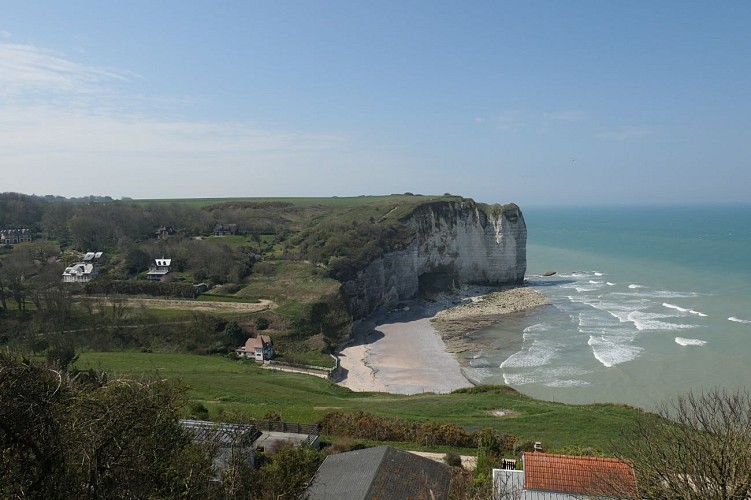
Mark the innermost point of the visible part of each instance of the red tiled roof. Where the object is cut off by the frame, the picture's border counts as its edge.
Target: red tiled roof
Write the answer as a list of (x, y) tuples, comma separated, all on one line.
[(583, 475), (257, 342)]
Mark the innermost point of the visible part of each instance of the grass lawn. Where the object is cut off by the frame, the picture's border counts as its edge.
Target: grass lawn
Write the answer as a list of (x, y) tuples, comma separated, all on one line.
[(240, 388)]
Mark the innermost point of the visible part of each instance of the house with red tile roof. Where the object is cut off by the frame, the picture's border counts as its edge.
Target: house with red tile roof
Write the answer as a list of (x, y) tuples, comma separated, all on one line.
[(260, 348), (547, 476)]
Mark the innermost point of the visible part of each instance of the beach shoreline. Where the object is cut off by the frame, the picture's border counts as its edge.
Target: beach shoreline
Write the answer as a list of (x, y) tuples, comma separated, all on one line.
[(413, 350)]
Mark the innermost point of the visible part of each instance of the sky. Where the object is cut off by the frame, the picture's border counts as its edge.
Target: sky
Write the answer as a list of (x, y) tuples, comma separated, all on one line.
[(533, 102)]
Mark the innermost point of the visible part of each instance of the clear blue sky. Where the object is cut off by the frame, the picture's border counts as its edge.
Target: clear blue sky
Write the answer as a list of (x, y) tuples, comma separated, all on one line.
[(555, 102)]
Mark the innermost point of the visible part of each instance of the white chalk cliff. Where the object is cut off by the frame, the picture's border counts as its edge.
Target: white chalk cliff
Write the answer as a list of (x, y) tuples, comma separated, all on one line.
[(455, 242)]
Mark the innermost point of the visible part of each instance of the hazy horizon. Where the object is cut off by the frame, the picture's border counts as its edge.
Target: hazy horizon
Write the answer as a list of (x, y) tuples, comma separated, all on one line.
[(539, 103)]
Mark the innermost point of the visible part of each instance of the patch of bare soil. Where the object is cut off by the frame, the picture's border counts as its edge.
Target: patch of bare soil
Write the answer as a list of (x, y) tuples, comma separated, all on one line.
[(199, 305), (503, 413)]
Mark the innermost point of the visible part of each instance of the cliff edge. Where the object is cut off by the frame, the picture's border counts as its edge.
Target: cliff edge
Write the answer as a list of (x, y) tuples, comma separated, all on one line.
[(453, 243)]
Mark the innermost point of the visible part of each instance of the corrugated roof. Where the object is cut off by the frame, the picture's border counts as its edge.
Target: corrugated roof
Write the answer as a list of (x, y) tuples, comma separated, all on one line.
[(583, 475)]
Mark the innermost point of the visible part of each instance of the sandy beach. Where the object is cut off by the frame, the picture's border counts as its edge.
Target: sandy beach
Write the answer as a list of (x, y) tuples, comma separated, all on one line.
[(403, 352)]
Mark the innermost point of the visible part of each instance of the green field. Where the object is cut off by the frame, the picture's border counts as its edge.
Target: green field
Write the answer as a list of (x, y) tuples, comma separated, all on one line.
[(240, 389), (335, 201)]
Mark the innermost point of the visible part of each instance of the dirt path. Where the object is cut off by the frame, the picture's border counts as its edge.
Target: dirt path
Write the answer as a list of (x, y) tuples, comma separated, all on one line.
[(469, 462), (200, 305)]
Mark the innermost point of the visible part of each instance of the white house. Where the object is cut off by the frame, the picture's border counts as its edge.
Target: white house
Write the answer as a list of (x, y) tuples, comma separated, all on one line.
[(84, 271), (79, 273), (159, 269), (260, 348), (547, 476)]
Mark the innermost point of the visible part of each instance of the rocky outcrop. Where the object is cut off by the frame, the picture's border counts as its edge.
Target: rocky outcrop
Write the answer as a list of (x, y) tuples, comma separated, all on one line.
[(454, 243)]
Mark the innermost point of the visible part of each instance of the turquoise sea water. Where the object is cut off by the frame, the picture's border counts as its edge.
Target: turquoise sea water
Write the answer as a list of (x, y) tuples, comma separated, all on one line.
[(647, 303)]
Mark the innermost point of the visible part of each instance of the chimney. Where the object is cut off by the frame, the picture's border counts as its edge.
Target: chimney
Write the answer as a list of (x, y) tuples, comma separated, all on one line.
[(538, 447)]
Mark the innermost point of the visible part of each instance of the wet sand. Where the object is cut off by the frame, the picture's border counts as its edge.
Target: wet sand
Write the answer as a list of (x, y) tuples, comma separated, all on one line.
[(403, 352)]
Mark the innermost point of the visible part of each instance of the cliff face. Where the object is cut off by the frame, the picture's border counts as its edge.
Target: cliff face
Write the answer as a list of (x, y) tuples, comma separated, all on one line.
[(454, 243)]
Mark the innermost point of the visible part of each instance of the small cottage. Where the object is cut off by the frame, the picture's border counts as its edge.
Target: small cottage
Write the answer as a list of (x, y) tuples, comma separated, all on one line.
[(159, 269), (260, 348), (164, 232), (225, 229)]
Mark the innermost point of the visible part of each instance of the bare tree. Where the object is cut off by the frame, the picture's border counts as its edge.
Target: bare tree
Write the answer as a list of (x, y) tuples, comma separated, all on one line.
[(700, 449)]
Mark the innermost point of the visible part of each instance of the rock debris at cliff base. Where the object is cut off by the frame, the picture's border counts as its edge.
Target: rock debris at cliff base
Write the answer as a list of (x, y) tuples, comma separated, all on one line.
[(454, 323)]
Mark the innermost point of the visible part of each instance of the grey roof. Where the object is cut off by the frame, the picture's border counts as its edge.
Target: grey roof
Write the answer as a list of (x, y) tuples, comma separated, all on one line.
[(224, 434), (379, 473)]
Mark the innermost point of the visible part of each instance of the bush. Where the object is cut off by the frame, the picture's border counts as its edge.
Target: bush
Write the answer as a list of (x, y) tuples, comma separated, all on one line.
[(453, 459)]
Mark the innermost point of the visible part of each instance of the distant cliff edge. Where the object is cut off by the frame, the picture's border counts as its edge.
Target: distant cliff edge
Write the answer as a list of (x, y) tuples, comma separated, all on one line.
[(454, 243)]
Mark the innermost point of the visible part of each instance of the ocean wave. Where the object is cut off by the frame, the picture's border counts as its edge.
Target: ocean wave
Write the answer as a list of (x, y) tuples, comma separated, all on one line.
[(684, 310), (598, 273), (689, 342), (518, 379), (634, 286), (609, 283), (538, 354), (567, 383), (478, 374), (612, 352), (563, 376), (478, 361), (538, 327), (739, 320), (650, 321), (677, 308)]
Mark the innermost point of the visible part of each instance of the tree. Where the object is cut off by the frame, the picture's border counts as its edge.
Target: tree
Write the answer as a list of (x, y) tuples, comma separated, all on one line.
[(701, 448), (17, 269), (82, 435)]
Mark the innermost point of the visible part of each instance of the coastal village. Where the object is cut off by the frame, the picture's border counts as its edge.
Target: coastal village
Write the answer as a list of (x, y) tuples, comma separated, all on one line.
[(312, 386)]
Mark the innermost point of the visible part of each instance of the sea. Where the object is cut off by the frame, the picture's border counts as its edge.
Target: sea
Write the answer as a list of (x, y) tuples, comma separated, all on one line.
[(647, 303)]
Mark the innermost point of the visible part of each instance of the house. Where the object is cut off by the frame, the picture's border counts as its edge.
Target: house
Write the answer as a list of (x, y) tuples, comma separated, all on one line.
[(260, 348), (565, 477), (226, 442), (84, 271), (377, 473), (164, 232), (14, 236), (225, 229), (159, 269)]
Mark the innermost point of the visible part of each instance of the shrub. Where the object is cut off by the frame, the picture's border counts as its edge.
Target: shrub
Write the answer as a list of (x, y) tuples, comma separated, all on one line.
[(453, 459)]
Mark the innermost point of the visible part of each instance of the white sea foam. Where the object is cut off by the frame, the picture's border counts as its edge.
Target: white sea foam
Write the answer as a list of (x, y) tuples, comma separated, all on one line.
[(689, 342), (670, 294), (567, 383), (540, 353), (650, 321), (597, 273), (563, 376), (634, 286), (537, 327), (518, 379), (700, 314), (611, 352), (738, 320), (609, 283), (673, 306)]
